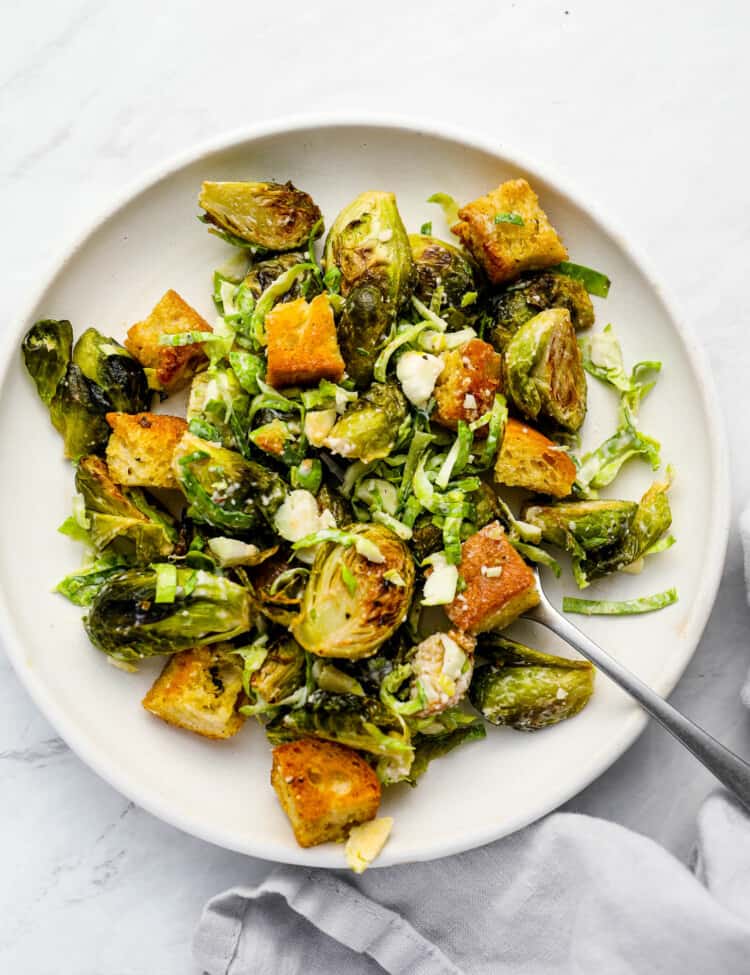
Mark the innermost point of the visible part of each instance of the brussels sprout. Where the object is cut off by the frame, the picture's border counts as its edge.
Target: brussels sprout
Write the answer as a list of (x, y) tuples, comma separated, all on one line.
[(269, 216), (347, 719), (225, 490), (544, 370), (427, 537), (508, 310), (127, 623), (279, 676), (46, 351), (329, 499), (527, 689), (349, 608), (279, 586), (441, 265), (110, 365), (263, 274), (371, 426), (78, 412), (652, 518), (582, 526), (370, 247), (218, 406), (120, 519)]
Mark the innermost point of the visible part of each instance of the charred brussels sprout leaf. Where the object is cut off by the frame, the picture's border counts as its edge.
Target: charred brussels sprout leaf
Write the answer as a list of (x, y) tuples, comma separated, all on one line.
[(329, 499), (225, 490), (427, 537), (527, 689), (110, 365), (369, 246), (127, 623), (78, 411), (544, 370), (582, 526), (442, 266), (429, 747), (371, 426), (263, 274), (121, 520), (219, 405), (268, 216), (46, 351), (279, 587), (280, 675), (349, 608), (508, 310), (347, 719)]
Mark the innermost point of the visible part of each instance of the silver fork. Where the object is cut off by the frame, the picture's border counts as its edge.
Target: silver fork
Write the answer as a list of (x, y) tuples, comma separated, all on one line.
[(729, 769)]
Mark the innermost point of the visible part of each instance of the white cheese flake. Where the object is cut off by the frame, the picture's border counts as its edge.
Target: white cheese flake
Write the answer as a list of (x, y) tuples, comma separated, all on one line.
[(418, 372), (366, 841)]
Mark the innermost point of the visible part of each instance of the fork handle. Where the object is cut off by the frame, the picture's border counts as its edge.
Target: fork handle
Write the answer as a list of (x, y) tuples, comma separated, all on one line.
[(732, 771)]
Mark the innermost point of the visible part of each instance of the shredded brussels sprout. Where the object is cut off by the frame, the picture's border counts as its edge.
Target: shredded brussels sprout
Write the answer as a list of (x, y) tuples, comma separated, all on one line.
[(627, 607)]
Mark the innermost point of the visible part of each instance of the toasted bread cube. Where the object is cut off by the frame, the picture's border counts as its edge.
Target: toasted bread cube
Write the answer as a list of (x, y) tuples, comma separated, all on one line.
[(139, 452), (507, 247), (465, 389), (302, 344), (528, 459), (199, 690), (324, 789), (491, 599), (168, 367)]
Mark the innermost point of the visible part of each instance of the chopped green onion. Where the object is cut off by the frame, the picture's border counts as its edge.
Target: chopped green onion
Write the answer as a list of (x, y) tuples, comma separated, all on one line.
[(426, 229), (469, 299), (509, 217), (605, 607), (349, 579), (448, 204), (166, 582), (594, 282), (332, 280)]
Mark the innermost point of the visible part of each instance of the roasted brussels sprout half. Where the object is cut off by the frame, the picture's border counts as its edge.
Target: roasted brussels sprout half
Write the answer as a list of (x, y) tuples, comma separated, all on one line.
[(544, 370), (78, 412), (110, 365), (218, 407), (349, 608), (527, 689), (582, 526), (127, 622), (225, 490), (279, 676), (347, 719), (263, 274), (46, 351), (441, 265), (268, 216), (370, 247), (279, 586), (371, 426), (121, 520), (508, 310)]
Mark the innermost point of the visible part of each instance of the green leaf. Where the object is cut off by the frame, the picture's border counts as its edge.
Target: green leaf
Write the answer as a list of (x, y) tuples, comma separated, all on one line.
[(628, 607), (593, 281), (509, 217), (426, 228)]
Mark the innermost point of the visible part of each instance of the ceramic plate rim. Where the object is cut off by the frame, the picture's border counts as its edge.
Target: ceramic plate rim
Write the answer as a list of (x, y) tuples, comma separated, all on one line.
[(712, 567)]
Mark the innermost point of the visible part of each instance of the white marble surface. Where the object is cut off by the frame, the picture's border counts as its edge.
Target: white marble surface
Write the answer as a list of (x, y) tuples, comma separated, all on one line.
[(641, 106)]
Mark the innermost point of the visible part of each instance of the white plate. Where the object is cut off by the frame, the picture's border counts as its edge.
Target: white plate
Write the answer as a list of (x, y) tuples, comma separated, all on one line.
[(221, 791)]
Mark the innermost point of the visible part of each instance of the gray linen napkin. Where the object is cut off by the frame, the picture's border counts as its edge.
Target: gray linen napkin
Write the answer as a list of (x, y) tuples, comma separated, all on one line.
[(570, 895)]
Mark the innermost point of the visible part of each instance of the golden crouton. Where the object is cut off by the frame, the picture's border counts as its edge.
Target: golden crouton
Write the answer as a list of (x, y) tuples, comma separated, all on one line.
[(528, 459), (139, 452), (499, 584), (324, 789), (168, 367), (199, 690), (465, 389), (507, 232), (302, 344)]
